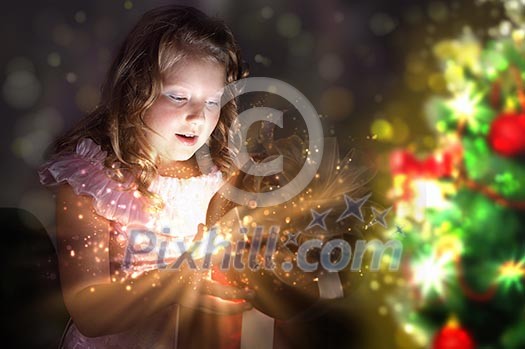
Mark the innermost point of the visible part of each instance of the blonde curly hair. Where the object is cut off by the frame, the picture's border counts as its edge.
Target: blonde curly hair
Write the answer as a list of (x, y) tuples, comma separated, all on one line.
[(161, 38)]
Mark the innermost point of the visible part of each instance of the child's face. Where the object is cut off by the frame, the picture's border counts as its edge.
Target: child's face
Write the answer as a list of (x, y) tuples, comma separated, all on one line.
[(188, 109)]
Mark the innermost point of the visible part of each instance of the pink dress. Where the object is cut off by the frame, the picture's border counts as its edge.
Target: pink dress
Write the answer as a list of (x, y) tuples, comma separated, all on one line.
[(186, 202)]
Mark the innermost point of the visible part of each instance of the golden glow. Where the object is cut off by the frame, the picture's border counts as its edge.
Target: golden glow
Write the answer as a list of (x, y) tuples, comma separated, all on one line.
[(383, 129), (512, 269), (449, 244)]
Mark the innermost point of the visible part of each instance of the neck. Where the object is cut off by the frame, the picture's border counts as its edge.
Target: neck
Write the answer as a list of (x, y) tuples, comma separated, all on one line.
[(179, 169)]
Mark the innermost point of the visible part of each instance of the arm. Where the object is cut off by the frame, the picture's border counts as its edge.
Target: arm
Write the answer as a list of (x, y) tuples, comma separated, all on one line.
[(100, 305)]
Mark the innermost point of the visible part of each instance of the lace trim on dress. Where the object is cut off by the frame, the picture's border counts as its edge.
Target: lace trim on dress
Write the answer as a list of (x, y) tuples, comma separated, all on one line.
[(84, 170)]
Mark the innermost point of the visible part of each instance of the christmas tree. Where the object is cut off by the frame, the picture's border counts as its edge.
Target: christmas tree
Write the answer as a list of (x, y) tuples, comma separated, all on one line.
[(460, 210)]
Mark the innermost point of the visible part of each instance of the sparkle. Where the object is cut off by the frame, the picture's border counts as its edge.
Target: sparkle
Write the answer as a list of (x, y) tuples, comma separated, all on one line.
[(431, 273), (511, 273), (464, 104)]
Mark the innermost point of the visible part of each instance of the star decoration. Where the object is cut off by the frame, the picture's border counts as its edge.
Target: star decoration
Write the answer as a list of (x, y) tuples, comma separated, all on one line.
[(353, 207), (379, 216), (291, 238), (318, 219)]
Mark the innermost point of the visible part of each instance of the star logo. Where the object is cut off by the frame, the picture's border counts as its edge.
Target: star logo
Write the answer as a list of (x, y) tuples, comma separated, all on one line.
[(318, 219), (353, 207), (379, 216), (291, 238)]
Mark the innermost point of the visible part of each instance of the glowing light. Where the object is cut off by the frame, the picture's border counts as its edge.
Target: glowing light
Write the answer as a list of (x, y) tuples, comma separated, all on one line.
[(383, 129), (246, 220), (449, 244), (431, 273), (430, 193), (383, 310), (464, 104), (409, 328), (374, 285), (511, 273), (426, 193)]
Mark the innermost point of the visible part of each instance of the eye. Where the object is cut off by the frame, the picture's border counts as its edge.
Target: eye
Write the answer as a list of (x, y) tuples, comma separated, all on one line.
[(177, 99), (212, 104)]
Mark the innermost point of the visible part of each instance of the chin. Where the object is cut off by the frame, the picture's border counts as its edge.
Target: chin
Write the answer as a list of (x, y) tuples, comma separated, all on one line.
[(183, 157)]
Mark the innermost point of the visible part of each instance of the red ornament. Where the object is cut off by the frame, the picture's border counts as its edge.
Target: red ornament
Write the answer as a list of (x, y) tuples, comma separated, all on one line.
[(507, 134), (452, 336)]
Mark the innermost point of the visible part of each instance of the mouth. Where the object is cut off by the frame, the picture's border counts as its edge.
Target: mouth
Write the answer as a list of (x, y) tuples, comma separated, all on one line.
[(187, 138)]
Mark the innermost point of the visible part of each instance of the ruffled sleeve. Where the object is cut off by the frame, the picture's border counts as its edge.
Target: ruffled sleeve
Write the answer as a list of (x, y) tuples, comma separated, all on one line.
[(85, 172)]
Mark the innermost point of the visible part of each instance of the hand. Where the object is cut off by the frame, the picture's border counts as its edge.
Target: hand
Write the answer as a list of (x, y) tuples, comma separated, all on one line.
[(215, 298), (196, 289), (212, 296)]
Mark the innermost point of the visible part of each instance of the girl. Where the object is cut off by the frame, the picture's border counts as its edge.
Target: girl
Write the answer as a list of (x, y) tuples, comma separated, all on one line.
[(128, 187)]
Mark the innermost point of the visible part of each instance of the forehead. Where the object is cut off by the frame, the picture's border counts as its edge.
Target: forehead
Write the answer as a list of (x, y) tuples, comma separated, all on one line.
[(192, 72)]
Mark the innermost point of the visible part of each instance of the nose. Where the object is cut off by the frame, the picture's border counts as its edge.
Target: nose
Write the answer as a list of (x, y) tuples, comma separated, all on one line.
[(195, 114)]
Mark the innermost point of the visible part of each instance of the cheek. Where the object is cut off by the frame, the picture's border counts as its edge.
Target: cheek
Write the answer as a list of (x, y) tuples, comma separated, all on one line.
[(214, 121), (159, 119)]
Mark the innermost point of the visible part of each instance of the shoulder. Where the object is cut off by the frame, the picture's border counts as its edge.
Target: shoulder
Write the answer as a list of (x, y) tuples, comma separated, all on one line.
[(73, 208), (87, 159), (82, 177)]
